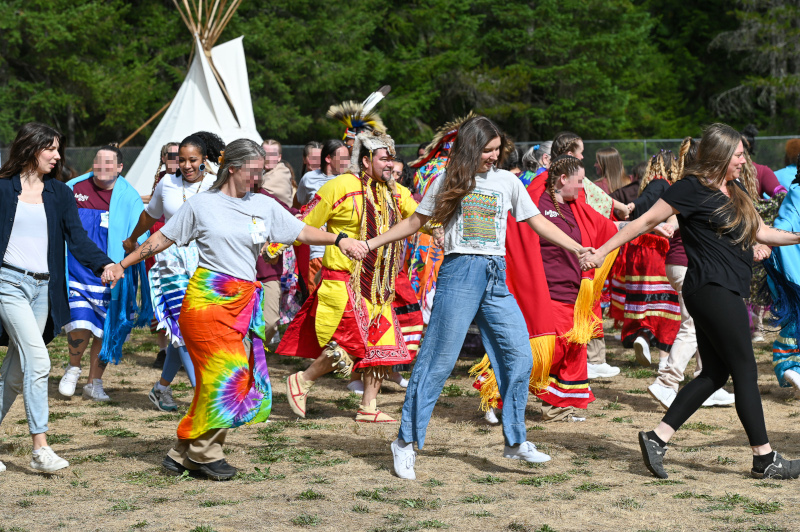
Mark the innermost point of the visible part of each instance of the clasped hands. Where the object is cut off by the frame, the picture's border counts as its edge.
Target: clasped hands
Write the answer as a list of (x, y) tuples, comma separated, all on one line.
[(590, 258), (112, 273)]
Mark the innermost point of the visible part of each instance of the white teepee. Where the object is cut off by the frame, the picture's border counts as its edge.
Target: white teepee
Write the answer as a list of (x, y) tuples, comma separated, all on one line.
[(215, 97)]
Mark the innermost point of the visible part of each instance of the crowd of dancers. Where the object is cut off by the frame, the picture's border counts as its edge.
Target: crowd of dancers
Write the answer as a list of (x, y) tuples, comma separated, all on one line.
[(367, 264)]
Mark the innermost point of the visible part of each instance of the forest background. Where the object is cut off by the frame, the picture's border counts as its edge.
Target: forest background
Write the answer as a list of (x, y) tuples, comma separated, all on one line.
[(97, 69)]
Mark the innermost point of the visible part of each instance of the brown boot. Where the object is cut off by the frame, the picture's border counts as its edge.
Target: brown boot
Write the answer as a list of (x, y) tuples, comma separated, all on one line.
[(371, 414), (296, 392)]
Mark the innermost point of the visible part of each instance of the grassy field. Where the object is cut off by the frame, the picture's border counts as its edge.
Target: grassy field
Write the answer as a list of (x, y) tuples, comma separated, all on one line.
[(329, 473)]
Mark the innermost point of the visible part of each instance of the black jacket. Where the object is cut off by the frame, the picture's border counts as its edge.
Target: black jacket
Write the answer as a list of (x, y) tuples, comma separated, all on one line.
[(63, 223)]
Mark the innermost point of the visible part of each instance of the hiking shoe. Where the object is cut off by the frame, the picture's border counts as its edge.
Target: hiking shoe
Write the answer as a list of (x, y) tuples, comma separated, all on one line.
[(219, 470), (371, 414), (47, 461), (491, 417), (296, 392), (720, 398), (641, 349), (779, 469), (663, 394), (653, 455), (602, 371), (404, 460), (94, 391), (356, 387), (69, 381), (171, 465), (163, 399), (525, 451), (158, 363)]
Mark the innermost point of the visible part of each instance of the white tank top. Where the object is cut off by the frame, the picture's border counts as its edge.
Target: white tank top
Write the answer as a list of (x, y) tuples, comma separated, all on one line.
[(27, 246)]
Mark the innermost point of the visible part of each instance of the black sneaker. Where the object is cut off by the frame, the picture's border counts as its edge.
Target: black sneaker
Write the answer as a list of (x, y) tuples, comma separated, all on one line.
[(219, 470), (158, 363), (171, 465), (653, 455), (779, 469)]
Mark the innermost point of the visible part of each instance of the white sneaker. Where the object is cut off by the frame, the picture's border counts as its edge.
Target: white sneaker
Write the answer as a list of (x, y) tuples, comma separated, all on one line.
[(491, 417), (47, 461), (399, 379), (720, 398), (94, 391), (642, 351), (356, 387), (602, 371), (525, 451), (618, 336), (758, 337), (68, 382), (2, 467), (793, 378), (574, 419), (404, 459), (662, 394)]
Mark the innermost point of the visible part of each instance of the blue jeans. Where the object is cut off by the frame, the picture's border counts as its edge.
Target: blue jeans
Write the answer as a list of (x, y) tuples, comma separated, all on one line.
[(471, 287), (24, 306), (172, 363)]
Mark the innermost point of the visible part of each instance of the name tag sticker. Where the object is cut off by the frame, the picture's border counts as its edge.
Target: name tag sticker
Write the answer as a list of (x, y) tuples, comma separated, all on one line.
[(104, 219), (258, 232)]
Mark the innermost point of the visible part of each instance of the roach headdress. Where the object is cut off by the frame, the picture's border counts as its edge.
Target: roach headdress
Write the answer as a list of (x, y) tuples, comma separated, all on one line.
[(358, 117)]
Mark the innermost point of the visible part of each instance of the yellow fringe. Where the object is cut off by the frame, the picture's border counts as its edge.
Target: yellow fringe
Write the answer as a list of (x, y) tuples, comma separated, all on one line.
[(542, 348), (586, 323)]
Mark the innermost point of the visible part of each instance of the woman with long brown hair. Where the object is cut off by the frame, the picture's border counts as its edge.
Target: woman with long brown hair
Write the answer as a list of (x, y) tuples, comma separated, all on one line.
[(471, 200), (611, 169), (39, 215), (719, 226)]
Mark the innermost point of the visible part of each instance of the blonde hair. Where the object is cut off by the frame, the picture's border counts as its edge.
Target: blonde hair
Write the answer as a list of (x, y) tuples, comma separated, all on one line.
[(662, 164), (714, 154)]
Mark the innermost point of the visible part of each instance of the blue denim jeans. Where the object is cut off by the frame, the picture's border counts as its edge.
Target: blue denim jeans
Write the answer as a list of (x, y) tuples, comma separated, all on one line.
[(172, 363), (471, 287), (24, 306)]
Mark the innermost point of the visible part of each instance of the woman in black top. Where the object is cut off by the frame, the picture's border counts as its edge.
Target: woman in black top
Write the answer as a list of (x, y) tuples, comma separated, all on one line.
[(719, 226), (37, 214)]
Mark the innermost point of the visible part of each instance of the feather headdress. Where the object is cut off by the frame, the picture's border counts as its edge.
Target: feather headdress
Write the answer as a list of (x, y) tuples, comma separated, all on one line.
[(358, 117), (372, 140), (443, 138)]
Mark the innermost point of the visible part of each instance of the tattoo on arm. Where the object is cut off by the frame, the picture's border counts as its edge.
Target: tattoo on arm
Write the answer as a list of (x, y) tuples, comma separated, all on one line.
[(621, 225), (148, 250), (783, 231)]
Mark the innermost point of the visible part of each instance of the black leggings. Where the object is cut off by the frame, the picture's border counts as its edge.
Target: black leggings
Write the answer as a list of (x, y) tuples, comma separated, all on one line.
[(723, 340)]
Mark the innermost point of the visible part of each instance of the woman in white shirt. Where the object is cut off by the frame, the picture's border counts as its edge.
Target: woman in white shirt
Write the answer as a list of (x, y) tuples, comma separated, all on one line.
[(174, 267)]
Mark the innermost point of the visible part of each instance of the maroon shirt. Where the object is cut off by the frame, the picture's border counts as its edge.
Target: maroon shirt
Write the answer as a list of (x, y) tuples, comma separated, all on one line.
[(264, 270), (90, 196), (767, 181), (561, 267), (676, 254)]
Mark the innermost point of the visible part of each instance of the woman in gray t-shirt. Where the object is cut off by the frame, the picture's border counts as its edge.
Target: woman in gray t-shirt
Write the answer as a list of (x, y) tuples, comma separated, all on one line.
[(472, 200), (230, 223)]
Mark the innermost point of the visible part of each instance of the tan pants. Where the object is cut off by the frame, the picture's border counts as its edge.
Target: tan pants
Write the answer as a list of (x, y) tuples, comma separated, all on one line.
[(685, 345), (203, 450), (596, 351), (272, 310), (557, 413)]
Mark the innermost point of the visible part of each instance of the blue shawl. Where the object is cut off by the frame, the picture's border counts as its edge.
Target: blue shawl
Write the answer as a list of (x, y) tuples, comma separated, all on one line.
[(124, 312)]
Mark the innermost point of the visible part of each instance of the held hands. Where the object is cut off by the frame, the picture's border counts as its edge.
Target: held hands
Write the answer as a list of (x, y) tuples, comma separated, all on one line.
[(664, 229), (353, 249), (761, 252), (591, 258), (129, 245), (624, 212), (111, 274)]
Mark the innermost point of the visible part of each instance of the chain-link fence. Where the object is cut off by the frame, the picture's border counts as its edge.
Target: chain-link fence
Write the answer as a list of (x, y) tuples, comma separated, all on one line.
[(770, 151)]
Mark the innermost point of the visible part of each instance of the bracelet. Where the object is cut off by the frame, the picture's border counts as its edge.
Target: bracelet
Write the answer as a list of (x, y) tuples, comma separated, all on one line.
[(367, 243), (339, 238)]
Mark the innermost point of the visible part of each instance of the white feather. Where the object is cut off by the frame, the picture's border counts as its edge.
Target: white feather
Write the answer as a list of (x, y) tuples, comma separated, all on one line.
[(374, 98)]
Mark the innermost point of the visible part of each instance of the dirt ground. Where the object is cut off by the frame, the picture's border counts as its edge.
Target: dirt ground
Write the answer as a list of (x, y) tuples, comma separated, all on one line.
[(329, 473)]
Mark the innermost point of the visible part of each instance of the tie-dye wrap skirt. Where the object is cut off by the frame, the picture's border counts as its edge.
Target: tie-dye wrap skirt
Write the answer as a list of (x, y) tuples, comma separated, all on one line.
[(233, 386)]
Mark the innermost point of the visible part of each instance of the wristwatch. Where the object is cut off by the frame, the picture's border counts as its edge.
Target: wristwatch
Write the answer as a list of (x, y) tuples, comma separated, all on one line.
[(339, 238)]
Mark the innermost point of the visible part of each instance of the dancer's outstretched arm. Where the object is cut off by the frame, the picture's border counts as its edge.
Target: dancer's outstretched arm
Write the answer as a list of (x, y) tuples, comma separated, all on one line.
[(401, 230), (550, 232)]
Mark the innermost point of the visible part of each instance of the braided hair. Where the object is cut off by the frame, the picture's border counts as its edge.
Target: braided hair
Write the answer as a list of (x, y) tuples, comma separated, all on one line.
[(662, 164), (565, 142), (164, 151), (562, 165), (209, 144)]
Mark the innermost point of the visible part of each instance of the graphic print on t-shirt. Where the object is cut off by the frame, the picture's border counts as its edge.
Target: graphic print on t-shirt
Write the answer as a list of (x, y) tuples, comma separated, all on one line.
[(480, 218)]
